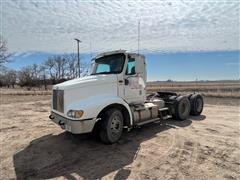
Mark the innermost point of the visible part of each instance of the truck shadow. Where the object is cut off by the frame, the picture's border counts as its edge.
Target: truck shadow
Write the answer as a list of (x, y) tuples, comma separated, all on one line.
[(63, 155), (198, 118)]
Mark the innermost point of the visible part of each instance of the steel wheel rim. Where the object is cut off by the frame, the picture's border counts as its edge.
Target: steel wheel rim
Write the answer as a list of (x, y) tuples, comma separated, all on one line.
[(115, 125)]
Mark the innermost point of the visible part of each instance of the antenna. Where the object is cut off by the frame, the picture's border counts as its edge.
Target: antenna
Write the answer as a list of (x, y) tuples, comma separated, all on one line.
[(90, 47), (138, 36)]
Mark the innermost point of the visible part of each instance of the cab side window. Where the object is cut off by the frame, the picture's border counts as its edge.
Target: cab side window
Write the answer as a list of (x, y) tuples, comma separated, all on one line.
[(131, 67)]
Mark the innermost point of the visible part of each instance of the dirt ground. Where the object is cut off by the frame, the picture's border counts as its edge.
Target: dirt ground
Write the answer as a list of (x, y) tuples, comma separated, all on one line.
[(203, 147)]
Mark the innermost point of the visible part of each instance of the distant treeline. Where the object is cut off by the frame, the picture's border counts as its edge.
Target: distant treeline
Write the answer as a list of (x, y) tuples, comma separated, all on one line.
[(55, 69)]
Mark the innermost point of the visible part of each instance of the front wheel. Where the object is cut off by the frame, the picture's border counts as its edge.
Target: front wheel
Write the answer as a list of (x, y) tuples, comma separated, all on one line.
[(111, 126)]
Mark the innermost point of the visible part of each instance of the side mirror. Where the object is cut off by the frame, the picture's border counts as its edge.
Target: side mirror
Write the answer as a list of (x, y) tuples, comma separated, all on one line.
[(126, 81)]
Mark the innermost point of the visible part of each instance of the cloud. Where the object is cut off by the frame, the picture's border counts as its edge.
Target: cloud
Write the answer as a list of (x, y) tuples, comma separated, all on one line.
[(24, 55), (232, 64), (166, 26)]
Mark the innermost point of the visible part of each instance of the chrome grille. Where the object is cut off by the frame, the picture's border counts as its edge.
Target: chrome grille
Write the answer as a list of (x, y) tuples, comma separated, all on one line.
[(58, 100)]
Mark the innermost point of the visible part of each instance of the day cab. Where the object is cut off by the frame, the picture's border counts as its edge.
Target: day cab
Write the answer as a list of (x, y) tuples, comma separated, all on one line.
[(114, 97)]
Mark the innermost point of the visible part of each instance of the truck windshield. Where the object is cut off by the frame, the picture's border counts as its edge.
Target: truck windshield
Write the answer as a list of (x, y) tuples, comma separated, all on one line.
[(111, 64)]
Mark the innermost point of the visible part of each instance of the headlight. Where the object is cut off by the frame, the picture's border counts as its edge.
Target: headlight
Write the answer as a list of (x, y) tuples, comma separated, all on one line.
[(75, 113)]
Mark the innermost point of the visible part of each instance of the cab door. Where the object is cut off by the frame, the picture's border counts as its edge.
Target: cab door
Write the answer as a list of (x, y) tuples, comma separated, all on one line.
[(133, 83)]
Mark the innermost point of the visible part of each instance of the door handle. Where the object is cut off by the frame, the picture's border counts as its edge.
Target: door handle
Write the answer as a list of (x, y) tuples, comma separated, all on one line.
[(126, 81), (120, 81)]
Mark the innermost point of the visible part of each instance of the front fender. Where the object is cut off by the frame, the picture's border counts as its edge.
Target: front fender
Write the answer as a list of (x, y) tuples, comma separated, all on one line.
[(92, 106)]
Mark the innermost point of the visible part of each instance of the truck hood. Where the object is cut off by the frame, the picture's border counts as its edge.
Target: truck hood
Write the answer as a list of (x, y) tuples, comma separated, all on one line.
[(93, 80), (78, 90)]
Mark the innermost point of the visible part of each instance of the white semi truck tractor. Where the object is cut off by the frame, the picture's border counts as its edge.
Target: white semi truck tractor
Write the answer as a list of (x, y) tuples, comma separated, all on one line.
[(114, 97)]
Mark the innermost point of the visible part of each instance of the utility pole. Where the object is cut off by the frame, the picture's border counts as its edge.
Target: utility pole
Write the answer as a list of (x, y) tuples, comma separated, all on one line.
[(78, 63)]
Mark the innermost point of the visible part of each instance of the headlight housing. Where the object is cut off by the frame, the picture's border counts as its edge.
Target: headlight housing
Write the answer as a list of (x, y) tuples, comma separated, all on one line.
[(75, 113)]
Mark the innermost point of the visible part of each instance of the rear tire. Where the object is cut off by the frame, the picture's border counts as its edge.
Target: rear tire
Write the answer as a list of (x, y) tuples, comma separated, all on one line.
[(111, 126), (197, 103), (182, 108)]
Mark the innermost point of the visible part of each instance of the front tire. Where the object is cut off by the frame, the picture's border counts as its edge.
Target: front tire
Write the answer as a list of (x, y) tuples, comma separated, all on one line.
[(111, 126)]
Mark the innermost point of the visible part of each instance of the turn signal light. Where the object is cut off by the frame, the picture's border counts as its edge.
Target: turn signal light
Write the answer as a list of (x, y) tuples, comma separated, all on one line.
[(75, 113)]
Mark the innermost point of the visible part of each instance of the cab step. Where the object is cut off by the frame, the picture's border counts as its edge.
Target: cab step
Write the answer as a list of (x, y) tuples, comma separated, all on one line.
[(167, 117), (164, 109)]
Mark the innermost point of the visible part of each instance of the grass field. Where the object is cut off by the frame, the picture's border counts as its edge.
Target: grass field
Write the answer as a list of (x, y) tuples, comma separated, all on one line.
[(224, 89), (230, 89)]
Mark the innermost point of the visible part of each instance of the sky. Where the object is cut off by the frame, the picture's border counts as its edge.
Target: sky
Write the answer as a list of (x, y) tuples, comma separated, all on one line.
[(181, 39)]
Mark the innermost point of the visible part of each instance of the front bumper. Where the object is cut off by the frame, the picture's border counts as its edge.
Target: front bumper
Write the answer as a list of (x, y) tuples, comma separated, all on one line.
[(73, 126)]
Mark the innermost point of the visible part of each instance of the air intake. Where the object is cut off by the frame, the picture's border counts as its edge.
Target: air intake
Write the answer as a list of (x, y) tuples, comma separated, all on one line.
[(58, 100)]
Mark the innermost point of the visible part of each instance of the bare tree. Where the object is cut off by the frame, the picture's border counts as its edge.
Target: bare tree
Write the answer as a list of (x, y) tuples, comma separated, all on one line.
[(8, 77), (56, 68), (61, 63), (28, 76), (50, 65), (71, 66), (59, 67), (36, 75), (12, 77)]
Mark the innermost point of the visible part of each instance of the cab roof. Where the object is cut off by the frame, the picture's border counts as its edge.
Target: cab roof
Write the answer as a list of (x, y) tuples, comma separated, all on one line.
[(109, 53), (117, 52)]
